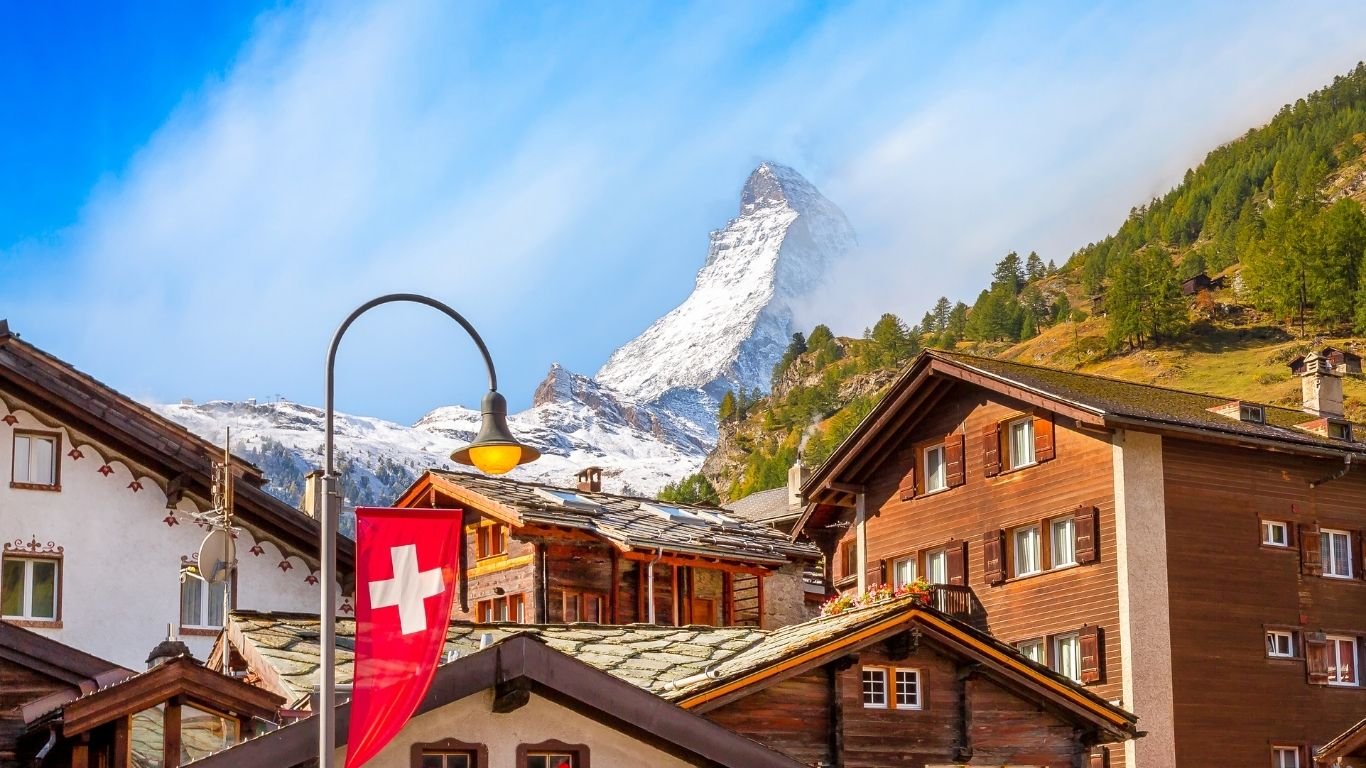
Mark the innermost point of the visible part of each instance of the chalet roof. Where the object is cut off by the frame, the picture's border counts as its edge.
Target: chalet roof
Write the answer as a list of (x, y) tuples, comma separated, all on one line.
[(132, 428), (1349, 743), (525, 662), (83, 672), (764, 506), (687, 665), (628, 522)]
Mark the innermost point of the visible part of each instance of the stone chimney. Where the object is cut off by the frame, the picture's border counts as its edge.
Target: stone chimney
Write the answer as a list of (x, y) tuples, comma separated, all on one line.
[(796, 478), (590, 479), (167, 649), (312, 502), (1321, 387)]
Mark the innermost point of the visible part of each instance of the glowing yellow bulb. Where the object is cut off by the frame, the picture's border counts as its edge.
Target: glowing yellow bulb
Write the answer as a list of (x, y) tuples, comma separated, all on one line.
[(495, 459)]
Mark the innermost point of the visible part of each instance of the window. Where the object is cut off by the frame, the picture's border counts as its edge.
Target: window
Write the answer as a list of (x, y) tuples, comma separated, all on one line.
[(1336, 553), (1021, 437), (1063, 542), (1067, 656), (1342, 660), (583, 606), (492, 540), (1285, 757), (1275, 533), (1026, 550), (552, 754), (462, 759), (848, 557), (201, 603), (907, 689), (1280, 644), (1339, 430), (1252, 413), (937, 567), (551, 760), (874, 688), (507, 608), (30, 588), (935, 477), (1032, 650), (35, 459), (903, 572), (204, 732)]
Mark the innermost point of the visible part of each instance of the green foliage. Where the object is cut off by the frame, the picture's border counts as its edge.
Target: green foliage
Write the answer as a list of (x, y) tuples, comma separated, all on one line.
[(942, 311), (794, 349), (893, 342), (1034, 268), (1144, 299), (726, 411), (1061, 310), (1009, 274), (693, 489)]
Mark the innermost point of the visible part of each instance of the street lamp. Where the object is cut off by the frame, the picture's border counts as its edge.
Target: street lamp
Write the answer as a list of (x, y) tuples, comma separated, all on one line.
[(494, 450)]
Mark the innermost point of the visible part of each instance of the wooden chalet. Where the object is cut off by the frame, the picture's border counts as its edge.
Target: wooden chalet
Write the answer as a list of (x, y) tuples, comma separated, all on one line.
[(543, 554), (1197, 560), (1348, 750), (103, 502), (1343, 361), (1201, 282), (894, 683)]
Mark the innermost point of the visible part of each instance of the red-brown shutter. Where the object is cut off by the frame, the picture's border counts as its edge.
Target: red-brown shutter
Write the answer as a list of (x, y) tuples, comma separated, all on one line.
[(954, 473), (1316, 658), (1311, 557), (1358, 556), (956, 552), (993, 560), (1092, 663), (883, 576), (1043, 438), (1087, 529), (906, 491), (1100, 758), (991, 450), (874, 574)]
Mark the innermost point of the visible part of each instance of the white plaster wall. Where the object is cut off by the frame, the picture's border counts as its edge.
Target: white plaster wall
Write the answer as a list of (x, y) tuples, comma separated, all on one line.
[(121, 561), (472, 720), (1144, 601)]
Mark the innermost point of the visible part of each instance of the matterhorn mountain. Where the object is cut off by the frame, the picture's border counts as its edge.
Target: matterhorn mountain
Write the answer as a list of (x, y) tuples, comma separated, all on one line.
[(649, 415)]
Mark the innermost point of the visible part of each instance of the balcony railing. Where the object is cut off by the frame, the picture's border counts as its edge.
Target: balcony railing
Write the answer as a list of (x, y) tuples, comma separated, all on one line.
[(959, 602)]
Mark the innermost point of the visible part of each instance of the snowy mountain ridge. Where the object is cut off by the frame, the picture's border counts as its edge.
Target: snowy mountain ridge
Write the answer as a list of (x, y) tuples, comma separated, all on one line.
[(647, 418)]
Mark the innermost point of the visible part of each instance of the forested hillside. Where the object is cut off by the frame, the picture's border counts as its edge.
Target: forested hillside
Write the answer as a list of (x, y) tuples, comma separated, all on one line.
[(1276, 213)]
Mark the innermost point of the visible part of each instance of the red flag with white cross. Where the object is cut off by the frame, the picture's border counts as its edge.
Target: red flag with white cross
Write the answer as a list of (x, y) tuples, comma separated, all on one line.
[(406, 561)]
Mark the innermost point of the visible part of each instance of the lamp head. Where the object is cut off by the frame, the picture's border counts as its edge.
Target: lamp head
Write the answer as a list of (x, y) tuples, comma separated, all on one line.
[(494, 450)]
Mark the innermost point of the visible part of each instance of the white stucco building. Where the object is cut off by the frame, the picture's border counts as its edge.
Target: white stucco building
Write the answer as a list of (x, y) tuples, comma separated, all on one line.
[(98, 530)]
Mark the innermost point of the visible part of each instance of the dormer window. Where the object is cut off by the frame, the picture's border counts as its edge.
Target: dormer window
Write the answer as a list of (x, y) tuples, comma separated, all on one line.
[(1253, 413), (1340, 430)]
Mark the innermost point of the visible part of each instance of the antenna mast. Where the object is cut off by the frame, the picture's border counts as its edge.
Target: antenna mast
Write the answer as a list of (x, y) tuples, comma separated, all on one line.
[(223, 505)]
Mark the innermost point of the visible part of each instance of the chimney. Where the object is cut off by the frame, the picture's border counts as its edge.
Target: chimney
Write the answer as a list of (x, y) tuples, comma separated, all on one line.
[(312, 502), (167, 649), (796, 478), (1321, 387), (590, 479)]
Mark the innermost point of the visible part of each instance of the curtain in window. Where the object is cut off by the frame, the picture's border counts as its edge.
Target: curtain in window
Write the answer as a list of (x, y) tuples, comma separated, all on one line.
[(44, 604), (937, 567), (191, 602), (1068, 652), (903, 572), (1021, 443), (1064, 542), (1335, 552), (12, 577), (1026, 551)]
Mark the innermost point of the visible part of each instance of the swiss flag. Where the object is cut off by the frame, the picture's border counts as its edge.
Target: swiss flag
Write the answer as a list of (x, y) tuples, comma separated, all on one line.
[(406, 561)]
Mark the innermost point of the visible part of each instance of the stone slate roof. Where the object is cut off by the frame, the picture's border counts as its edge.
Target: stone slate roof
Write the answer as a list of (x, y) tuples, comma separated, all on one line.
[(764, 506), (1109, 397), (636, 523)]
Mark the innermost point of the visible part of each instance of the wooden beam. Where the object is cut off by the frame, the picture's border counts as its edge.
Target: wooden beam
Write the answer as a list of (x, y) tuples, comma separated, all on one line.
[(614, 596), (991, 383), (854, 488), (171, 733), (80, 752), (697, 562)]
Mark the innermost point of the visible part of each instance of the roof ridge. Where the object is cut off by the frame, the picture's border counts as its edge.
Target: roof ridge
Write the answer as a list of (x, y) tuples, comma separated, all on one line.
[(573, 489)]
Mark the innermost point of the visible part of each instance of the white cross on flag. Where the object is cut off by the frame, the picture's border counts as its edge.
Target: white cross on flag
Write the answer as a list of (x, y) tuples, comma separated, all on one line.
[(406, 562)]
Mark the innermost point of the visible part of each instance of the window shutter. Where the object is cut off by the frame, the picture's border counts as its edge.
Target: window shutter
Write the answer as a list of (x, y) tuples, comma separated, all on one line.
[(991, 449), (1100, 758), (1092, 663), (1311, 558), (954, 473), (907, 489), (883, 576), (1085, 521), (1043, 438), (874, 574), (1358, 556), (993, 561), (957, 554), (1316, 658)]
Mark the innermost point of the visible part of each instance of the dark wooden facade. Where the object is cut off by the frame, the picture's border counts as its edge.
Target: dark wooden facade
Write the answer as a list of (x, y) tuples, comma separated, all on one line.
[(1231, 701)]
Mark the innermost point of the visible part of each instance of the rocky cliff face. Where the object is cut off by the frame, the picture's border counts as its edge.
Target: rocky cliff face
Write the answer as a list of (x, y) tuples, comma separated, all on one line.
[(647, 418)]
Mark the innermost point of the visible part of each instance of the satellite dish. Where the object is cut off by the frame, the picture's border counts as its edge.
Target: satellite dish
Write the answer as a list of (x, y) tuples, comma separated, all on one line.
[(216, 554)]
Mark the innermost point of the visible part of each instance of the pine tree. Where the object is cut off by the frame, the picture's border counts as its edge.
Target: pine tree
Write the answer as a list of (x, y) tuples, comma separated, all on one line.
[(794, 349), (1034, 268), (892, 339), (1052, 268), (741, 405), (1144, 299), (942, 310), (726, 411), (1009, 274)]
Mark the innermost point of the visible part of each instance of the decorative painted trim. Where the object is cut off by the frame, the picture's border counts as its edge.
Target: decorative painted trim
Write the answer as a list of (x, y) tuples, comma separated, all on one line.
[(135, 486), (170, 521), (285, 565), (257, 550), (346, 606), (33, 547), (311, 580), (11, 419), (75, 454), (106, 470)]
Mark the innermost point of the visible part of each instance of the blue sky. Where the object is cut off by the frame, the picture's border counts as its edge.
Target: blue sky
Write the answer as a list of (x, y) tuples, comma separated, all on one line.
[(192, 199)]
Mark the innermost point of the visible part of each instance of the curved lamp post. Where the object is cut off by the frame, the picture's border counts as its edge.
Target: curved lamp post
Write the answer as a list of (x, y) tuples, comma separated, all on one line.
[(494, 450)]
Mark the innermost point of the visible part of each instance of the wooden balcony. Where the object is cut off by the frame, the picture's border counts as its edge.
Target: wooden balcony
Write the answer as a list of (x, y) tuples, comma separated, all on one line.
[(959, 602)]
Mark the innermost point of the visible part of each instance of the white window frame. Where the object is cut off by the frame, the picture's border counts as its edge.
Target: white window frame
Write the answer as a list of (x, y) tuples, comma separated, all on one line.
[(1032, 650), (1017, 537), (1332, 567), (1060, 658), (26, 610), (936, 481), (1026, 425), (918, 699), (1279, 752), (206, 595), (870, 677), (31, 441), (897, 581), (1269, 526), (1335, 643), (1053, 550), (1273, 638), (942, 555)]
